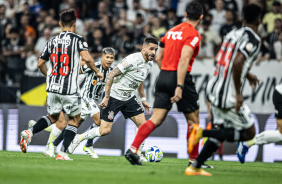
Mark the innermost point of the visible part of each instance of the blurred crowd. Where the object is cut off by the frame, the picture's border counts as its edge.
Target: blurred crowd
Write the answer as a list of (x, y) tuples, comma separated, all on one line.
[(26, 26)]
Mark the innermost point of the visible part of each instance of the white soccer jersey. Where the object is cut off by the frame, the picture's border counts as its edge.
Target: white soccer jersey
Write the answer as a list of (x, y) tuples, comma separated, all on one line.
[(134, 71), (221, 87)]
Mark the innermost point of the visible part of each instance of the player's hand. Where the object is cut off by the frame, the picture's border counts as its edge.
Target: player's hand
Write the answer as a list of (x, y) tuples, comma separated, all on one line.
[(177, 95), (104, 103), (146, 106), (239, 101), (100, 75), (253, 80)]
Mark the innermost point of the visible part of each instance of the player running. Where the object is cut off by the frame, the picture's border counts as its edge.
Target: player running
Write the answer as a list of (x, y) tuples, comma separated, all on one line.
[(238, 52), (91, 93), (265, 137), (178, 49), (119, 92), (64, 52)]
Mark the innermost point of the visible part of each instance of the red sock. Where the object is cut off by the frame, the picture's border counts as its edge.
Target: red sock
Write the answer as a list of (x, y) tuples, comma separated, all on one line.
[(220, 149), (143, 132), (195, 151)]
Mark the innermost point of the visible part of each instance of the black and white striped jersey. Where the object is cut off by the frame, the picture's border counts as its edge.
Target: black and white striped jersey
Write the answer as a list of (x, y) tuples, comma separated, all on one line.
[(63, 51), (220, 88), (92, 86), (279, 88)]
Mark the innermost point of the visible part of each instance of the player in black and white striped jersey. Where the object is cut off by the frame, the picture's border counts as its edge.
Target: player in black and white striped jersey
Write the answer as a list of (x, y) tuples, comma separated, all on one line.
[(91, 92), (64, 51), (238, 52)]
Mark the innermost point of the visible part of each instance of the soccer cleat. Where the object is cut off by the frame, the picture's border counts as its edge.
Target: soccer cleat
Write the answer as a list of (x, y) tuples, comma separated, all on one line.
[(25, 140), (204, 166), (133, 158), (191, 171), (31, 123), (63, 156), (90, 151), (76, 141), (49, 150), (142, 158), (195, 136), (241, 152)]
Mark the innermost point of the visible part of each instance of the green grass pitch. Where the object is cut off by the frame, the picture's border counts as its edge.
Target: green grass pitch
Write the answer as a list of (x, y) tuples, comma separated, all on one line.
[(16, 167)]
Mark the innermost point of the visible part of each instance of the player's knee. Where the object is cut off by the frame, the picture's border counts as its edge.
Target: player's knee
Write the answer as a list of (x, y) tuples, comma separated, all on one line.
[(105, 131)]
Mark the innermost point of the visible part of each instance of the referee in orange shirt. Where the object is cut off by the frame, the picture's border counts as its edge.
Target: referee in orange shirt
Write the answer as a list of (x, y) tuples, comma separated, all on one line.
[(178, 49)]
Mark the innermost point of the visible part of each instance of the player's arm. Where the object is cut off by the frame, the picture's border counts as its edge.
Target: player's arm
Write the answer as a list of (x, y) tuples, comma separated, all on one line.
[(109, 81), (160, 56), (141, 92), (237, 72), (186, 54), (42, 66), (86, 57)]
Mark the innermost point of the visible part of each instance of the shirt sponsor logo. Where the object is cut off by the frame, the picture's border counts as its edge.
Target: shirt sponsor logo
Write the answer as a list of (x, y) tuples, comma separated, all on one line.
[(175, 35)]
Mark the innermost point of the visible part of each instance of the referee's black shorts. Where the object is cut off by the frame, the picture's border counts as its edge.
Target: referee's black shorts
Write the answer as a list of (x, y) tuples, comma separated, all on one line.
[(165, 88)]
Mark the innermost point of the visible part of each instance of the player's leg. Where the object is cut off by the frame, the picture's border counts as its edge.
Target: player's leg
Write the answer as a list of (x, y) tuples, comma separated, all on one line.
[(139, 120), (107, 118), (88, 148), (265, 137), (53, 109), (240, 126), (143, 132), (72, 107)]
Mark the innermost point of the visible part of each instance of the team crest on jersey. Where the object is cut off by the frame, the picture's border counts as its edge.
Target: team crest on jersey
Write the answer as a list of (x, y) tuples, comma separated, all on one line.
[(85, 44), (111, 115)]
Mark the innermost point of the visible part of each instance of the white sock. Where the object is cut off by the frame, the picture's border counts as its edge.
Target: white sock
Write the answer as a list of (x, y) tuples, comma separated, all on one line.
[(271, 136), (54, 134), (95, 125), (91, 134)]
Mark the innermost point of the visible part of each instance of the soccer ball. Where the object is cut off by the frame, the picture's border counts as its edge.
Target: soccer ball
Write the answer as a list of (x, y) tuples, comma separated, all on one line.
[(154, 154)]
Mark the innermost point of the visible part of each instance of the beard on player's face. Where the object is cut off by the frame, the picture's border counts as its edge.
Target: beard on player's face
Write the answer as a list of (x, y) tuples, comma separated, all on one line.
[(149, 56)]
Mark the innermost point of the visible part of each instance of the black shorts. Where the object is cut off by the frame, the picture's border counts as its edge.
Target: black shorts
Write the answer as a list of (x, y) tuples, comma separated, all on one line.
[(128, 108), (165, 88), (277, 101)]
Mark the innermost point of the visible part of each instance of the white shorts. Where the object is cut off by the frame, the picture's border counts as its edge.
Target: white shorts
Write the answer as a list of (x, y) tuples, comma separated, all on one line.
[(71, 104), (231, 119), (88, 107)]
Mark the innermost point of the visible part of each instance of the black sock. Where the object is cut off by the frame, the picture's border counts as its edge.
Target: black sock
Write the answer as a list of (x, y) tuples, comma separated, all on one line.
[(89, 142), (209, 148), (69, 135), (228, 134), (59, 138), (41, 124)]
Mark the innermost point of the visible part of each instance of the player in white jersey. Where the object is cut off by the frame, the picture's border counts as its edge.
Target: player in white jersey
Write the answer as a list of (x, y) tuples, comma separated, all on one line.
[(119, 91), (64, 51), (233, 118), (265, 137), (91, 92)]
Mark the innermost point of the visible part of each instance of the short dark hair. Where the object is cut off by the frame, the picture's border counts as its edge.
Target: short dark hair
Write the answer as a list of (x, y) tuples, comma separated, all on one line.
[(67, 18), (149, 40), (194, 10), (251, 13)]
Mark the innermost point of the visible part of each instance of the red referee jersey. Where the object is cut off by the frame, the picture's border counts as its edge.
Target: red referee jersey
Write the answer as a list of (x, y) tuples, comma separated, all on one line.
[(174, 40)]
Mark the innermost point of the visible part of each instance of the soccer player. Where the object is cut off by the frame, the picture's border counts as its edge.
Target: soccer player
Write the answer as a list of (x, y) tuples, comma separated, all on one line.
[(91, 93), (238, 52), (266, 137), (119, 92), (178, 49), (64, 52)]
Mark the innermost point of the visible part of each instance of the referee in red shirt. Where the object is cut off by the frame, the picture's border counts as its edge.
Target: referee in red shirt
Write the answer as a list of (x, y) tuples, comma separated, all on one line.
[(178, 49)]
